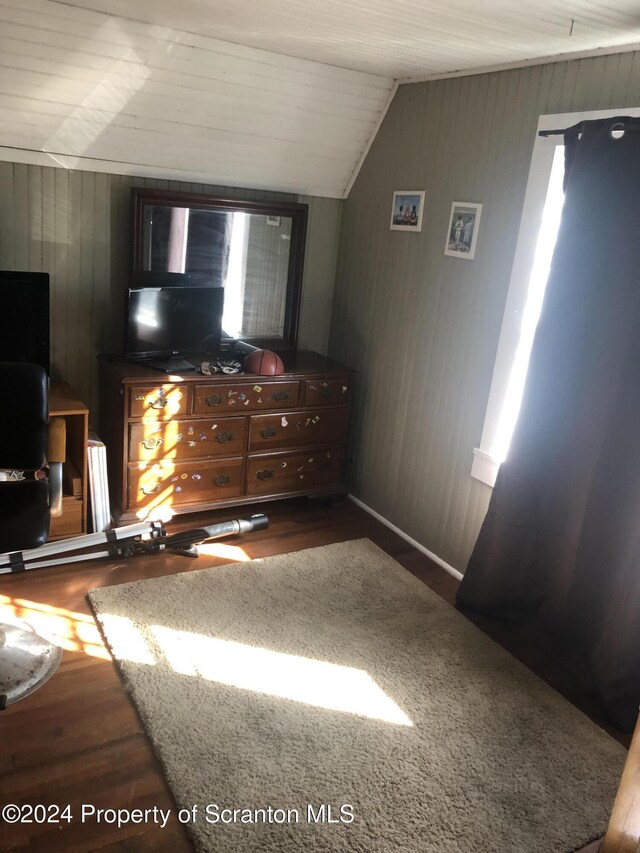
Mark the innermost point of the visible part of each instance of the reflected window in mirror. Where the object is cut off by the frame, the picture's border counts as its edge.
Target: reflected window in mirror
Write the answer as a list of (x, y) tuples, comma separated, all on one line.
[(254, 250)]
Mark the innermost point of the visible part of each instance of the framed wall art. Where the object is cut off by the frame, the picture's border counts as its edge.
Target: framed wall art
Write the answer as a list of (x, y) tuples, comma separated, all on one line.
[(462, 233), (406, 210)]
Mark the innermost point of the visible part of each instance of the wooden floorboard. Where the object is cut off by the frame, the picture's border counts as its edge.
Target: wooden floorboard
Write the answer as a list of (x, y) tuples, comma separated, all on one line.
[(79, 739)]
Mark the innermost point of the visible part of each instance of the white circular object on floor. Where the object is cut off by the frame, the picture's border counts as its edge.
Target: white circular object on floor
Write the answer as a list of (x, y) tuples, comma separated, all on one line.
[(27, 660)]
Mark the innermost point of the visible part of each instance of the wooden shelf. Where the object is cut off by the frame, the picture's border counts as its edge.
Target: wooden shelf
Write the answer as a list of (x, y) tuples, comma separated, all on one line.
[(63, 402)]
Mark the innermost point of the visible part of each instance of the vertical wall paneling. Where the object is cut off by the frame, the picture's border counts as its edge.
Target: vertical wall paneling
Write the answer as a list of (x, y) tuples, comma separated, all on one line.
[(323, 232), (422, 328), (76, 226)]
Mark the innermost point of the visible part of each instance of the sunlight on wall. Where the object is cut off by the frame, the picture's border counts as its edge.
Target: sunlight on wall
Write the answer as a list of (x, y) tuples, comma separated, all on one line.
[(311, 682), (75, 632)]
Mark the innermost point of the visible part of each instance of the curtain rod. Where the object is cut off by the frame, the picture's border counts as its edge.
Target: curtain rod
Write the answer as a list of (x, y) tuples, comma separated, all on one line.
[(619, 123)]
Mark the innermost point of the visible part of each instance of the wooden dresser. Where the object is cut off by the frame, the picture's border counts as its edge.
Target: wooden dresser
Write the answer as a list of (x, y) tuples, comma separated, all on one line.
[(193, 442)]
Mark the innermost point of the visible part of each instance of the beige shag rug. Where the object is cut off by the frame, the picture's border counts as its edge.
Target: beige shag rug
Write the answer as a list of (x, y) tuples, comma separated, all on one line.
[(326, 700)]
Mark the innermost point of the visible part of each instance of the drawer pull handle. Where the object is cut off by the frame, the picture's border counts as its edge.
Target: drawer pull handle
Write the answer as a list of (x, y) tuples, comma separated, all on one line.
[(222, 480), (223, 437), (279, 396), (153, 491), (158, 403), (269, 432), (151, 443), (213, 400), (267, 474), (325, 393)]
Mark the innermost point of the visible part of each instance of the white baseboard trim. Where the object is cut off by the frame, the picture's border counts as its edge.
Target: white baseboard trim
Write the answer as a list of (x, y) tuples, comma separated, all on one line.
[(454, 572)]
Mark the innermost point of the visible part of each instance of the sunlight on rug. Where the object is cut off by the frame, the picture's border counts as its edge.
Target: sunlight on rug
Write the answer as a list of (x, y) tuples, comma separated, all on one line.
[(313, 682), (326, 700)]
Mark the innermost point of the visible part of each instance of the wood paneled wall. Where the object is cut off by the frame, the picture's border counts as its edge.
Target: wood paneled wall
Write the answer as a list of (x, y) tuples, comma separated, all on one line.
[(421, 328), (77, 225)]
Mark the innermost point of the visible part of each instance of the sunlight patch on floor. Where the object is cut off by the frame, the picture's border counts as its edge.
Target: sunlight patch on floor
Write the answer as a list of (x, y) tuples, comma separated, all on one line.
[(67, 629), (299, 679), (226, 552)]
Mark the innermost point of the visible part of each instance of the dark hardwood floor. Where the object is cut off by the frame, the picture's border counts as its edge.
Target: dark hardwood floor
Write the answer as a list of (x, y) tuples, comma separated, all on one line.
[(79, 740)]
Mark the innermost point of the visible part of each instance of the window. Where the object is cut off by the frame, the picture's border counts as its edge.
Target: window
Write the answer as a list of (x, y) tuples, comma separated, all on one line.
[(534, 250)]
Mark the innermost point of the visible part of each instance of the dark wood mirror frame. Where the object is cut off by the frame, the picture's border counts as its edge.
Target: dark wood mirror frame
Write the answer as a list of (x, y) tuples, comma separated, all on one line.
[(298, 212)]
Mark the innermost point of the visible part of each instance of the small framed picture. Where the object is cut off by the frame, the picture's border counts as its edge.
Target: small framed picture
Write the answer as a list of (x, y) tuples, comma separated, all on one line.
[(406, 210), (463, 230)]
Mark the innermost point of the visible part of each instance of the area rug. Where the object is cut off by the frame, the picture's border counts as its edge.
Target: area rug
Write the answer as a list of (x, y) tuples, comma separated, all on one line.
[(326, 700)]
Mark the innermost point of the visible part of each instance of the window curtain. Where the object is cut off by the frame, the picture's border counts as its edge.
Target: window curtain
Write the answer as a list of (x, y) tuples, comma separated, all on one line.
[(559, 549), (202, 253)]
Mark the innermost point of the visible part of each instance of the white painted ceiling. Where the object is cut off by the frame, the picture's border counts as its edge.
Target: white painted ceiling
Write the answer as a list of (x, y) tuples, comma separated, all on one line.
[(397, 38), (266, 94)]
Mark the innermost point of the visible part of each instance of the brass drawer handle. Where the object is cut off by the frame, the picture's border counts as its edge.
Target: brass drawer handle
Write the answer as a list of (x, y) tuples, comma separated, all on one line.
[(158, 403), (269, 432), (222, 480), (223, 437), (279, 396), (213, 400), (267, 474), (151, 443), (152, 491), (325, 393)]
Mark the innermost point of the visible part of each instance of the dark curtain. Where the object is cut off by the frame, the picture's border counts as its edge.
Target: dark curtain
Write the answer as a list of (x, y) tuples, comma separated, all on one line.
[(208, 246), (559, 550)]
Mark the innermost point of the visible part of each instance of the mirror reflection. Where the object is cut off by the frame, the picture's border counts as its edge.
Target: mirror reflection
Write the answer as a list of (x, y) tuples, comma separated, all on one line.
[(247, 253)]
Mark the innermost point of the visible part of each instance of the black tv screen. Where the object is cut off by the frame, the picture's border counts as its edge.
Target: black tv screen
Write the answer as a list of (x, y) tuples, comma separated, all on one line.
[(166, 321), (24, 309)]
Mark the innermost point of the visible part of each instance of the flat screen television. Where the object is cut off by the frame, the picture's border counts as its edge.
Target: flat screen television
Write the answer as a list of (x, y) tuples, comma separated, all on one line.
[(166, 323), (24, 309)]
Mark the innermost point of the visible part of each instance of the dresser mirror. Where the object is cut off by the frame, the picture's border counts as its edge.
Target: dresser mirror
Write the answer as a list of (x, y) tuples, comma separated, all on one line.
[(253, 249)]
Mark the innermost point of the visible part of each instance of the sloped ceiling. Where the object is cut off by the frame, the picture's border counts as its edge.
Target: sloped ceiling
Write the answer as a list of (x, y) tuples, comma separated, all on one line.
[(277, 94), (398, 38)]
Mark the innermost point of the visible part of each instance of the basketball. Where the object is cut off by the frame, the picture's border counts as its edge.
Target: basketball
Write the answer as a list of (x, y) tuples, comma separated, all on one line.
[(264, 362)]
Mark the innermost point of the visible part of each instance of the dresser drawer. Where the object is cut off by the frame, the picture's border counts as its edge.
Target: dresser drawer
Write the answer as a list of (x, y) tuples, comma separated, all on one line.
[(246, 397), (325, 392), (297, 429), (188, 439), (290, 472), (167, 483), (159, 402)]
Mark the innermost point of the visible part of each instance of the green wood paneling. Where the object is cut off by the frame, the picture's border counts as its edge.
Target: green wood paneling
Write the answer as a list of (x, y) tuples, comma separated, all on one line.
[(421, 328), (76, 226)]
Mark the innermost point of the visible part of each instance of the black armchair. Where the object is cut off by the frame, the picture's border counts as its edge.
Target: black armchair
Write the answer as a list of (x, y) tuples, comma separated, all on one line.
[(26, 504), (28, 498)]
